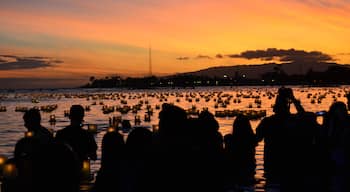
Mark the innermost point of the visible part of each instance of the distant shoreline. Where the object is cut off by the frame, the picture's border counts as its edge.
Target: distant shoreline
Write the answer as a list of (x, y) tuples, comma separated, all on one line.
[(166, 87)]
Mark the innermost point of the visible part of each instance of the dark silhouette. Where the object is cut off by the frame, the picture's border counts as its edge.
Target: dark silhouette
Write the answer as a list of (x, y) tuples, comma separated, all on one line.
[(348, 101), (48, 166), (25, 151), (240, 153), (32, 121), (275, 131), (139, 146), (111, 173), (56, 168), (210, 132), (336, 127), (210, 159), (28, 148), (171, 150), (81, 141), (126, 126)]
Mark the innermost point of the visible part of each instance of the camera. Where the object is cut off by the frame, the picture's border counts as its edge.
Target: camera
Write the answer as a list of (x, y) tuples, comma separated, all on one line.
[(321, 113)]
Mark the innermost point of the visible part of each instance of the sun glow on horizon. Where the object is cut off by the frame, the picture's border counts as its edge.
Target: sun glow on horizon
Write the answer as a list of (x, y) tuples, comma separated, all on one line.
[(113, 37)]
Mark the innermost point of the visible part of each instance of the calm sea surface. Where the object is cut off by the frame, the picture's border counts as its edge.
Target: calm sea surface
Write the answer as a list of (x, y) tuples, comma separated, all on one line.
[(242, 98)]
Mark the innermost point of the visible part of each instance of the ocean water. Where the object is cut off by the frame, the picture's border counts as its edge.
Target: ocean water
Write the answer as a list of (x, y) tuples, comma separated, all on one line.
[(12, 129)]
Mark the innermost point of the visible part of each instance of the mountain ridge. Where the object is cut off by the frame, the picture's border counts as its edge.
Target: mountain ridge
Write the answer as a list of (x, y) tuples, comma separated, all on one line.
[(255, 71)]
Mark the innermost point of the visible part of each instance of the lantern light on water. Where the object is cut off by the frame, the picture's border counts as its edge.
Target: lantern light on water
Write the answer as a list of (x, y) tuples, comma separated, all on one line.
[(86, 169), (28, 134), (155, 128), (9, 171), (52, 119), (92, 128), (3, 160), (110, 129)]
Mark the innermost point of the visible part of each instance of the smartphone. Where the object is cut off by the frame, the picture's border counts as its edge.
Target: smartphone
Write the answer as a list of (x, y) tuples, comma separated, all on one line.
[(321, 113)]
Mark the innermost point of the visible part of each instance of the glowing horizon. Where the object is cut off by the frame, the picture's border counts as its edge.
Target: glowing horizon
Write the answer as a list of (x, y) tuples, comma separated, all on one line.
[(113, 36)]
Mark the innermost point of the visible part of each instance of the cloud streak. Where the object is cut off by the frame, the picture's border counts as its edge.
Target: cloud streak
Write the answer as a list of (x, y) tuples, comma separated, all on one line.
[(182, 58), (12, 62), (284, 55), (203, 57), (219, 56)]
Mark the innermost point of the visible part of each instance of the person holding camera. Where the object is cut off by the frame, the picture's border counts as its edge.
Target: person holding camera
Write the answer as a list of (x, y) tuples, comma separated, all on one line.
[(280, 132)]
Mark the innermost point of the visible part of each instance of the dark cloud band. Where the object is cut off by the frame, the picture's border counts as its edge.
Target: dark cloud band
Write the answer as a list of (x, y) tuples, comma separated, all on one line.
[(12, 62), (183, 58), (203, 57), (284, 55)]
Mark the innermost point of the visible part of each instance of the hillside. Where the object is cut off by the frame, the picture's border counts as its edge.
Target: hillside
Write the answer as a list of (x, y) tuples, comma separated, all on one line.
[(256, 71)]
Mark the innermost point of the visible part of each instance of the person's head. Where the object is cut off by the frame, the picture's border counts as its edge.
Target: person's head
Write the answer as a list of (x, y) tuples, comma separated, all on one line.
[(32, 118), (112, 148), (282, 104), (241, 126), (126, 124), (285, 92), (139, 139), (171, 118), (338, 111), (208, 121), (76, 113)]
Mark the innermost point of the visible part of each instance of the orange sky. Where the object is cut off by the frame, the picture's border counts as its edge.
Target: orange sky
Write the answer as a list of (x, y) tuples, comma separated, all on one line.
[(112, 36)]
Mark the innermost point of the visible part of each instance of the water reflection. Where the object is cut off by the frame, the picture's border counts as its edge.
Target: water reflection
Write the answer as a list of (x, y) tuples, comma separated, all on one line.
[(128, 104)]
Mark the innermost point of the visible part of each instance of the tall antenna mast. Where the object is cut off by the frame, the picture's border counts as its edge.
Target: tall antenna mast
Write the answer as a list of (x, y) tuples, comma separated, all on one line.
[(150, 61)]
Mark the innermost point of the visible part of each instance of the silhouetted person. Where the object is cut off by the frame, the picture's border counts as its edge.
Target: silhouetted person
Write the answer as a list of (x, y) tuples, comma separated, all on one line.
[(138, 150), (111, 173), (211, 159), (51, 167), (32, 121), (25, 151), (56, 169), (240, 152), (210, 131), (81, 141), (337, 128), (126, 126), (171, 150), (275, 131), (29, 147)]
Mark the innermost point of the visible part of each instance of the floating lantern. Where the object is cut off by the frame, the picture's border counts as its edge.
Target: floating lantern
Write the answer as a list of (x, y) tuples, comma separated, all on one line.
[(110, 129), (116, 121), (92, 128), (155, 128), (66, 113), (28, 134), (52, 119), (85, 171), (137, 120), (9, 171), (147, 118), (3, 160)]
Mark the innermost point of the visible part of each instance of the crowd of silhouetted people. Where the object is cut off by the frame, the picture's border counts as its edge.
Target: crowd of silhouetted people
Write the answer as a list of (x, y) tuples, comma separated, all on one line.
[(190, 154)]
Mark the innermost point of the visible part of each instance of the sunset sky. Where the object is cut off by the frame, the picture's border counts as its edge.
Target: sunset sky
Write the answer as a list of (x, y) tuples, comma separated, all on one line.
[(60, 43)]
